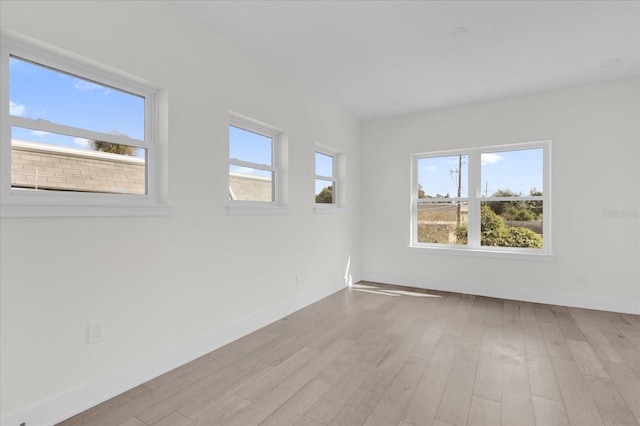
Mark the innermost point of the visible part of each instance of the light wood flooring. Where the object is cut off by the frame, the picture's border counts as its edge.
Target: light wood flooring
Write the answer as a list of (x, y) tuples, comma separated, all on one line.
[(386, 355)]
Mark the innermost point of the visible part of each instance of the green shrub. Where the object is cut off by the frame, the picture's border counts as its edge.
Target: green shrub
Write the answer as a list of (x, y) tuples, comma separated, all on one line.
[(496, 234)]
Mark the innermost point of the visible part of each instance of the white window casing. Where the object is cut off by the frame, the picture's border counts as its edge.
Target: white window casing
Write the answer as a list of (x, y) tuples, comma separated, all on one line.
[(278, 204), (336, 179), (474, 199), (37, 203)]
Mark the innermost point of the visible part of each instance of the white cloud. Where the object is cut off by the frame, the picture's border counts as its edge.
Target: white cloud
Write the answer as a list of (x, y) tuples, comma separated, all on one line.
[(84, 143), (85, 86), (16, 109), (490, 158), (40, 133), (431, 169)]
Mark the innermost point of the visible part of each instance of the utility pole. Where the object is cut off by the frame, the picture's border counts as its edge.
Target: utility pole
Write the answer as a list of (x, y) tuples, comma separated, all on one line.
[(459, 187)]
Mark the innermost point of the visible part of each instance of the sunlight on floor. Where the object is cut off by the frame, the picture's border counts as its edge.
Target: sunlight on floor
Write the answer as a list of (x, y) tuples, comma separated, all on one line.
[(377, 290)]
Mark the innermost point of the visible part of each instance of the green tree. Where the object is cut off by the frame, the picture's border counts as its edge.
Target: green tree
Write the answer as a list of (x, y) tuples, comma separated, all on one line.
[(514, 213), (495, 233), (113, 148), (500, 207), (421, 193), (325, 196), (535, 207)]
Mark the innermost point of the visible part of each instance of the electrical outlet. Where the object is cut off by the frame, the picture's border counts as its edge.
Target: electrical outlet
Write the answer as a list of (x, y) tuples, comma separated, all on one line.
[(94, 332)]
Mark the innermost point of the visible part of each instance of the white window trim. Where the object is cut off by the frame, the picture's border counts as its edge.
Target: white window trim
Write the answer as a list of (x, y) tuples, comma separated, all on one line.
[(474, 198), (17, 203), (337, 206), (278, 166)]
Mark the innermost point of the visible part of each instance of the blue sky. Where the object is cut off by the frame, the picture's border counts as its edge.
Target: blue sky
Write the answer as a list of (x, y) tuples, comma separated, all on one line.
[(38, 92), (519, 171)]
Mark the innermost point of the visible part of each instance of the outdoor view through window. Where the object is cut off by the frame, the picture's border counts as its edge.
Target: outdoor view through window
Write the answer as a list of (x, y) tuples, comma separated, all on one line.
[(251, 166), (505, 206), (325, 178), (72, 134)]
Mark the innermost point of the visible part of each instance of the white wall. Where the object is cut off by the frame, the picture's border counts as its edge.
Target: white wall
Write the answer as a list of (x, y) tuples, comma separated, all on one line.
[(596, 136), (166, 288)]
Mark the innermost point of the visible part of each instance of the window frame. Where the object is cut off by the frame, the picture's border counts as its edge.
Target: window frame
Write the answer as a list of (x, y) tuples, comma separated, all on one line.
[(338, 192), (333, 179), (474, 199), (278, 203), (21, 203)]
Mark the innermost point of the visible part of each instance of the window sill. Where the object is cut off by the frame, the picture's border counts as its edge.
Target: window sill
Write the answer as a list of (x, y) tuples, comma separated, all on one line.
[(257, 210), (71, 210), (328, 210), (494, 254)]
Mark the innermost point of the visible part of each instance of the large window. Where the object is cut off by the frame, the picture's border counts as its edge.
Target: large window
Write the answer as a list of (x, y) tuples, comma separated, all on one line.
[(493, 199), (74, 135), (255, 163)]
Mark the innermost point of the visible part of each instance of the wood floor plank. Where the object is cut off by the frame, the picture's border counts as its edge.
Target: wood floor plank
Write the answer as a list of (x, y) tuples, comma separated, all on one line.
[(594, 337), (293, 410), (136, 405), (556, 343), (579, 404), (568, 327), (203, 393), (625, 348), (101, 409), (542, 378), (262, 385), (587, 359), (359, 406), (488, 382), (426, 398), (456, 398), (134, 421), (268, 403), (611, 406), (306, 421), (221, 412), (393, 402), (334, 400), (517, 402), (627, 384), (484, 412), (549, 412), (534, 342), (173, 419)]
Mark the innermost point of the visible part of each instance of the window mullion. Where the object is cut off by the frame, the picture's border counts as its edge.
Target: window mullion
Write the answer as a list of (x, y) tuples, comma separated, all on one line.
[(473, 231), (240, 163), (48, 126)]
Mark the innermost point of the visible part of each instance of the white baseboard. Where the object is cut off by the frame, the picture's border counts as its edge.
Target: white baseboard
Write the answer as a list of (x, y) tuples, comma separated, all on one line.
[(64, 405), (512, 293)]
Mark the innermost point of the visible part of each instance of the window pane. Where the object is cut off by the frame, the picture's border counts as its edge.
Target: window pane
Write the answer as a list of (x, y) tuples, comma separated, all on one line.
[(324, 191), (49, 161), (511, 224), (443, 177), (249, 184), (324, 165), (249, 146), (443, 223), (512, 173), (38, 92)]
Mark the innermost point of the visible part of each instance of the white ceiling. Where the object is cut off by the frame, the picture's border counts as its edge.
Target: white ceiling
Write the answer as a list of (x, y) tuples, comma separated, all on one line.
[(376, 59)]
